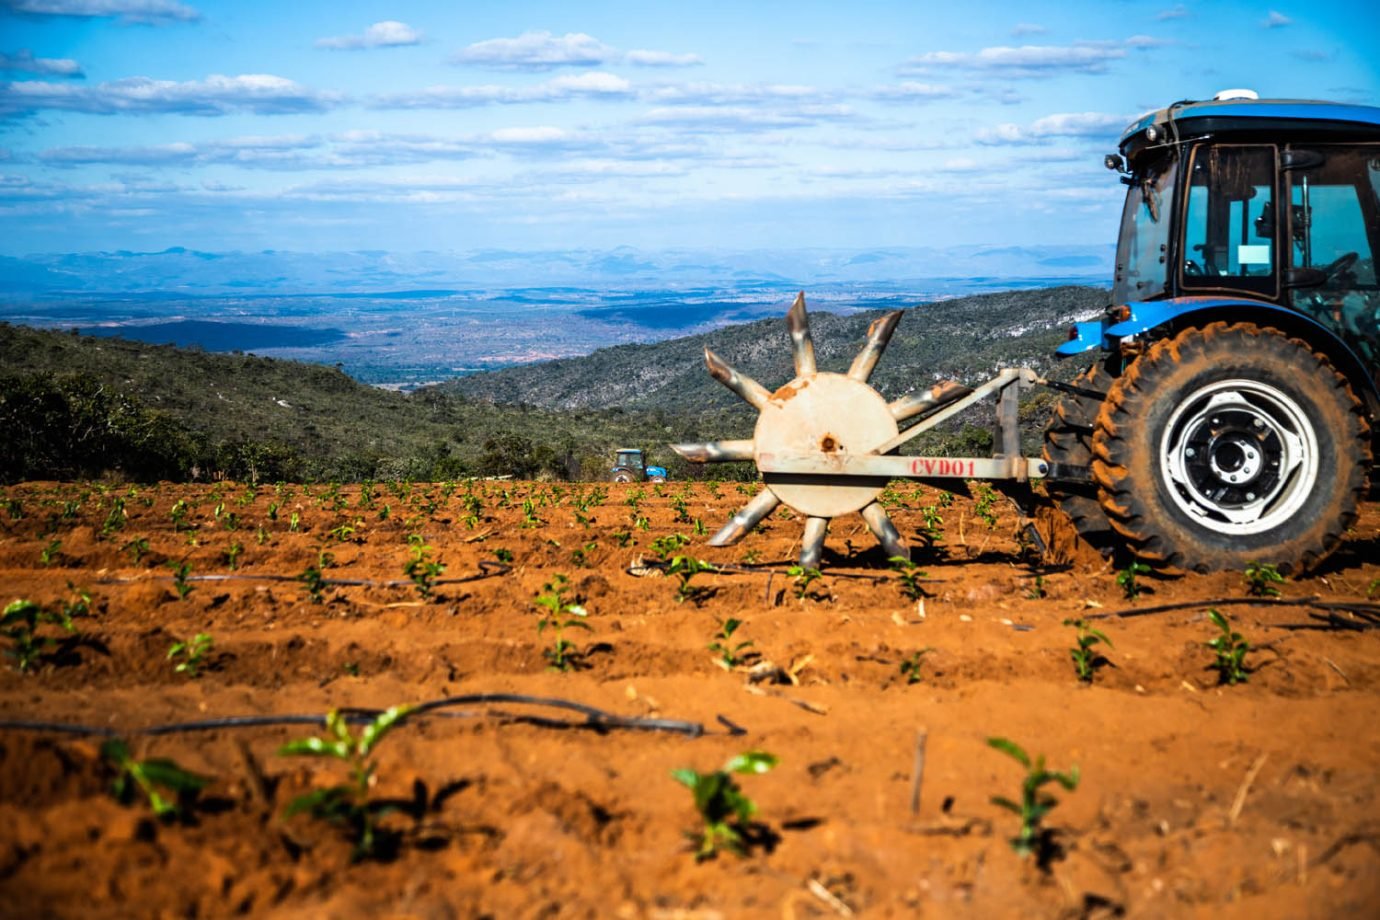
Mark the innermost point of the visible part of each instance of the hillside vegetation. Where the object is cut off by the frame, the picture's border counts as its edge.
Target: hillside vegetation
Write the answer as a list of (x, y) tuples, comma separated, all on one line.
[(75, 406)]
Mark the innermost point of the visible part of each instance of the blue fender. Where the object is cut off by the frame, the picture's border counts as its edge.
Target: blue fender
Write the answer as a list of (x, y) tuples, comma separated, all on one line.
[(656, 471), (1106, 333)]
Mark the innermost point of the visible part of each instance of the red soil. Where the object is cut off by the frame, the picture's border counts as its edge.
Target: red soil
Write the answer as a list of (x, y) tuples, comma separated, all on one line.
[(1196, 799)]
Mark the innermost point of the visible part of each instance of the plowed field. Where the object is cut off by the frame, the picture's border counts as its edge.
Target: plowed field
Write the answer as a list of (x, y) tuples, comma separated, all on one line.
[(1195, 798)]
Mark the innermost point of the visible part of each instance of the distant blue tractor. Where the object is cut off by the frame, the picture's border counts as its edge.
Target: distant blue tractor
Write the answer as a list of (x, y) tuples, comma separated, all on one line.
[(1240, 360), (628, 466)]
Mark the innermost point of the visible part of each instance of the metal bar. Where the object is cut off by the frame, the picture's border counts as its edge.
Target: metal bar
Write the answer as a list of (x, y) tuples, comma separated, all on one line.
[(885, 531), (838, 468), (878, 335), (715, 451), (1003, 378), (748, 389), (940, 394), (803, 347), (812, 543), (1008, 429), (1070, 388), (746, 519)]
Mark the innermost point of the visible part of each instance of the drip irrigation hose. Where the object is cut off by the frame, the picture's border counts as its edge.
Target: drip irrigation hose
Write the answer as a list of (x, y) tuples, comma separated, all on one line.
[(1368, 612), (487, 570), (597, 719)]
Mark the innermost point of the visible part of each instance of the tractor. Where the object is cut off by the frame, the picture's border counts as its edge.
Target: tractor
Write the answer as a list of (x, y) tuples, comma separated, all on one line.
[(628, 466), (1226, 416)]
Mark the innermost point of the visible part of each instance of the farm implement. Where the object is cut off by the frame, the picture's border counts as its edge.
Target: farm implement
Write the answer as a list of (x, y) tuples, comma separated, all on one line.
[(1227, 415)]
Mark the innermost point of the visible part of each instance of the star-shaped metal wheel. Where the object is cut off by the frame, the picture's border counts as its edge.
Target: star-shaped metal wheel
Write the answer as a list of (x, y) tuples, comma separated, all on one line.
[(821, 414)]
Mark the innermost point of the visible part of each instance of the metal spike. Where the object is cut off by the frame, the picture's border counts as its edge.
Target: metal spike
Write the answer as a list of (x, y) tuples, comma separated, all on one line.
[(748, 389), (878, 335), (941, 394), (798, 322), (885, 531), (715, 451), (812, 543), (746, 519)]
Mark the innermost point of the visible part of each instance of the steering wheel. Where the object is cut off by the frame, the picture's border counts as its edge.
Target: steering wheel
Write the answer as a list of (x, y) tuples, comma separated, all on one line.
[(1335, 268)]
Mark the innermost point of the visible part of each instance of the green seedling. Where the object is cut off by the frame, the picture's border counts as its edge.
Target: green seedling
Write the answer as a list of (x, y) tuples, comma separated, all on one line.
[(170, 790), (698, 528), (504, 556), (665, 546), (261, 536), (624, 537), (580, 557), (982, 507), (682, 510), (192, 654), (725, 812), (421, 568), (313, 581), (115, 520), (15, 509), (1086, 659), (348, 803), (729, 651), (562, 613), (1037, 589), (232, 555), (910, 666), (178, 513), (294, 522), (20, 623), (1034, 838), (909, 575), (50, 552), (137, 550), (932, 532), (685, 568), (802, 578), (1261, 578), (1230, 647), (180, 572), (1126, 579)]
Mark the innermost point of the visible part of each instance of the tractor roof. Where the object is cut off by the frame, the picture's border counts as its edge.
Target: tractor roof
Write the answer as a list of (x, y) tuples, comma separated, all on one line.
[(1282, 117)]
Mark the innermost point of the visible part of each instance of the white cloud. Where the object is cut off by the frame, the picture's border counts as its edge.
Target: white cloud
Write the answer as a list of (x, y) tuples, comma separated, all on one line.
[(1067, 124), (662, 59), (537, 51), (284, 151), (387, 34), (1024, 61), (1276, 20), (730, 93), (1178, 11), (1028, 28), (591, 85), (261, 94), (729, 118), (143, 12), (910, 91), (23, 61), (1141, 42)]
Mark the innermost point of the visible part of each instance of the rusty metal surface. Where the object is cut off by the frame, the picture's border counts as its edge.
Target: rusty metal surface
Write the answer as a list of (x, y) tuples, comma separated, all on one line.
[(802, 346), (878, 335), (783, 470), (941, 394), (746, 519), (715, 451), (748, 389)]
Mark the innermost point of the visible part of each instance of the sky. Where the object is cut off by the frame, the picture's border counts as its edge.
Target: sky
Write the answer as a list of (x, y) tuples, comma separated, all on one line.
[(323, 125)]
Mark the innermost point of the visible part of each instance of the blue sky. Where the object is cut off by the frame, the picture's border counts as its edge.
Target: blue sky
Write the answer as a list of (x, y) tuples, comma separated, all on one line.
[(306, 125)]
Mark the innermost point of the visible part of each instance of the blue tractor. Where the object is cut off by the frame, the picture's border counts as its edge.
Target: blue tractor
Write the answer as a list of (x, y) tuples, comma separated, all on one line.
[(1227, 416), (629, 466)]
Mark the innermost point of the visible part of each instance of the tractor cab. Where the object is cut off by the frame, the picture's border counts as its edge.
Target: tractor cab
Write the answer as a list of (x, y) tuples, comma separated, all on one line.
[(629, 466), (1240, 205)]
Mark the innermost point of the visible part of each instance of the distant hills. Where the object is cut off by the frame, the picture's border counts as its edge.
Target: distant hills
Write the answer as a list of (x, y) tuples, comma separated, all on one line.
[(74, 405)]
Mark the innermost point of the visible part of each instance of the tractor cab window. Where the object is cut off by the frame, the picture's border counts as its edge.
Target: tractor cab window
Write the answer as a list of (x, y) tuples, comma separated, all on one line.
[(1143, 245), (1334, 232), (1229, 220)]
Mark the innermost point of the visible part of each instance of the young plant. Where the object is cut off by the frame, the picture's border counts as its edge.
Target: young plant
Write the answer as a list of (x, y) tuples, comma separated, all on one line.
[(723, 644), (232, 554), (725, 812), (685, 568), (910, 666), (421, 568), (1261, 578), (314, 582), (504, 556), (562, 613), (982, 507), (802, 578), (137, 550), (347, 803), (170, 790), (20, 623), (1086, 659), (50, 552), (180, 572), (909, 575), (192, 652), (665, 546), (1126, 579), (1230, 647), (1034, 838)]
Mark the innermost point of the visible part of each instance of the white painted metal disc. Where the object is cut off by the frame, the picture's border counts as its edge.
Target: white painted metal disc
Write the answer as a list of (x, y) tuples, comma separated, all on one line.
[(828, 415)]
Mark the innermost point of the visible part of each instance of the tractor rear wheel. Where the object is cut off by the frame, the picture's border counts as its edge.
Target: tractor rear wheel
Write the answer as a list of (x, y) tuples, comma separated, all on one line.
[(1231, 444), (622, 476), (1068, 439)]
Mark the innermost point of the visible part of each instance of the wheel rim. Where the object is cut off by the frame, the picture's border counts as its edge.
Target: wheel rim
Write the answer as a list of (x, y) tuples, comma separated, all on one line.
[(1239, 456)]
